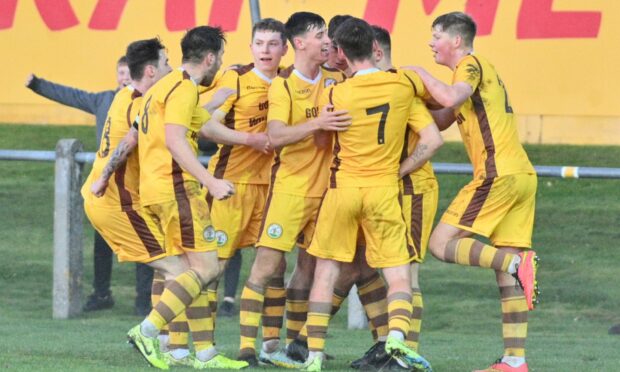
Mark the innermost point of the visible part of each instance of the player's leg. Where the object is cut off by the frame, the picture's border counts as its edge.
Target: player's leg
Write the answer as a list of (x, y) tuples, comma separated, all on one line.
[(298, 293), (513, 235), (266, 262)]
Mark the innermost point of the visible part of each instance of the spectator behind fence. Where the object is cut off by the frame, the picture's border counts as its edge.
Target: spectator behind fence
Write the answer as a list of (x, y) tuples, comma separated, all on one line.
[(98, 104)]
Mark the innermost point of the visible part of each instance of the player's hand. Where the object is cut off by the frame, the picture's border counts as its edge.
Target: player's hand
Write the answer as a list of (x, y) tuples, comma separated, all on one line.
[(416, 69), (29, 79), (260, 142), (98, 187), (221, 189), (219, 98), (337, 121)]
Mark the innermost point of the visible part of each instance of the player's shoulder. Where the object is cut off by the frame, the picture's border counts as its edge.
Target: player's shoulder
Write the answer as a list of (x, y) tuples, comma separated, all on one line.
[(334, 74), (286, 72)]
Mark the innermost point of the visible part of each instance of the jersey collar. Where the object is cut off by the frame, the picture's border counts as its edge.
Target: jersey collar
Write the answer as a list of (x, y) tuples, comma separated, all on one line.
[(309, 81), (261, 75)]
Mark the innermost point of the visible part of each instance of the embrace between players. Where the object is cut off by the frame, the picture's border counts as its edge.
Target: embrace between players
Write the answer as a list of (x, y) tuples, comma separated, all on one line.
[(330, 155)]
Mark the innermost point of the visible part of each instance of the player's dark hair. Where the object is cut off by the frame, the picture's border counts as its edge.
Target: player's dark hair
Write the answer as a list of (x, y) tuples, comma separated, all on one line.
[(334, 23), (355, 38), (457, 23), (199, 41), (270, 24), (383, 39), (142, 53), (121, 61), (301, 22)]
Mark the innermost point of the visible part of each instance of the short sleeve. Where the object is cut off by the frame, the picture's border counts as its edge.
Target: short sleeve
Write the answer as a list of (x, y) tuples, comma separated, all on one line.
[(279, 101), (180, 104), (419, 117), (228, 80), (468, 71)]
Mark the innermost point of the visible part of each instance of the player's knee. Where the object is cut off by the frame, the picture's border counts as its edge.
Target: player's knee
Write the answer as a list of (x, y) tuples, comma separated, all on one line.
[(437, 246)]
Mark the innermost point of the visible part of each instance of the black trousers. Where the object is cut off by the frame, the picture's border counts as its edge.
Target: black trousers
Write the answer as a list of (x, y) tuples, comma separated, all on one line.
[(103, 257)]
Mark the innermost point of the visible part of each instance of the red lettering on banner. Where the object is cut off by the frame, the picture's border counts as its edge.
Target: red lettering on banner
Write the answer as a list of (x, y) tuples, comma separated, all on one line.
[(225, 13), (537, 20), (7, 13), (180, 14), (57, 14), (483, 12), (107, 14), (381, 13), (429, 5)]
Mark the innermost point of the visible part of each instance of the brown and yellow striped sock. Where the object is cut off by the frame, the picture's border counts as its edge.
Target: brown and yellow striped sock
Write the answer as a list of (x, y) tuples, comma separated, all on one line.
[(318, 320), (373, 292), (471, 252), (179, 332), (337, 300), (177, 296), (200, 322), (413, 336), (212, 296), (250, 310), (157, 288), (296, 312), (399, 312), (514, 320), (273, 309)]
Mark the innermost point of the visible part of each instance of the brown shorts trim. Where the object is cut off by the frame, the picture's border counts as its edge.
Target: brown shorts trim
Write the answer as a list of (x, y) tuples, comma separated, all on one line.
[(477, 201)]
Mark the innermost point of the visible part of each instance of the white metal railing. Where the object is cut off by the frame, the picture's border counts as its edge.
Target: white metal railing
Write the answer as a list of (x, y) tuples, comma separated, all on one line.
[(68, 215)]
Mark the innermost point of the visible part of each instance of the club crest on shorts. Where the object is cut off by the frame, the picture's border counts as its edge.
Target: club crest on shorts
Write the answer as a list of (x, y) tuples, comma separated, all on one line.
[(221, 238), (274, 231), (209, 233), (329, 81)]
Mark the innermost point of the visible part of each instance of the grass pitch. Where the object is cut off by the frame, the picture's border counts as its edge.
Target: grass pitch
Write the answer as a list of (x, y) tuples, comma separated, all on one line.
[(576, 235)]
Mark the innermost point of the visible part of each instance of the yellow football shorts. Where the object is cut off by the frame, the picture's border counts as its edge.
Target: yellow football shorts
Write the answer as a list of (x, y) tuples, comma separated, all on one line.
[(419, 211), (501, 209), (185, 224), (237, 220), (378, 211), (132, 234), (288, 220)]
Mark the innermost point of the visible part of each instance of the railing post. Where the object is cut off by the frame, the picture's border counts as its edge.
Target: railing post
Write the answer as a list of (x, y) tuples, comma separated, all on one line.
[(356, 314), (67, 231)]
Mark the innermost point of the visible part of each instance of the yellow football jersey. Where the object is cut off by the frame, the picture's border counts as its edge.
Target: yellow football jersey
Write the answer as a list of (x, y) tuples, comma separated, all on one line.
[(383, 107), (172, 100), (246, 112), (122, 191), (487, 122), (300, 168), (423, 179)]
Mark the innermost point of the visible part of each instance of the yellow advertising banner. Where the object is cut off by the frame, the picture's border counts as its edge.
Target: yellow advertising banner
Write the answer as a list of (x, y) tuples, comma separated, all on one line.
[(557, 57)]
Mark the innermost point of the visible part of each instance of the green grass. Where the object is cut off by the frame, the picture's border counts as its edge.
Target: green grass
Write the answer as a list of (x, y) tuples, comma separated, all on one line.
[(576, 235)]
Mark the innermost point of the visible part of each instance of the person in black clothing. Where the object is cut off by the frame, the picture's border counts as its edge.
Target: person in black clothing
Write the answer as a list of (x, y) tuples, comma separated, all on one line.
[(98, 104)]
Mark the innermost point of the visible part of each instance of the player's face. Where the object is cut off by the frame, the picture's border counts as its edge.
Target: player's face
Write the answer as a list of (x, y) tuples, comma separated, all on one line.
[(267, 48), (335, 60), (163, 68), (213, 68), (441, 45), (122, 75), (316, 44)]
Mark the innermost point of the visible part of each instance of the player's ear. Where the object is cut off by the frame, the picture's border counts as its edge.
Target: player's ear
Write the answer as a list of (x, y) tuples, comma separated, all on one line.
[(298, 43), (457, 41), (284, 48)]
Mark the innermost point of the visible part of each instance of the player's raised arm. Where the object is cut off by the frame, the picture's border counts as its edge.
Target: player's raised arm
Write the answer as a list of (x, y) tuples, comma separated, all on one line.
[(118, 157), (446, 95)]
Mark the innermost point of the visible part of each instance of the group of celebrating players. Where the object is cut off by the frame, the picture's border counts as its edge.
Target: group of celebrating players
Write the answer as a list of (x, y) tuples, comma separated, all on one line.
[(330, 155)]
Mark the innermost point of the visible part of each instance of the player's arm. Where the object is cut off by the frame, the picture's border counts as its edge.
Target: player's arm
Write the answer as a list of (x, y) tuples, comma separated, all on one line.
[(420, 122), (430, 141), (280, 106), (77, 98), (118, 157), (450, 96), (182, 153), (219, 133), (281, 134), (443, 118)]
